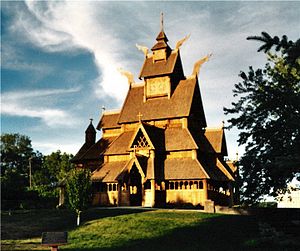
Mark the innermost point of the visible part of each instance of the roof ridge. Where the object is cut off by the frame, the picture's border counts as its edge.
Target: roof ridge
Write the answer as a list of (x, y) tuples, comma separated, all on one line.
[(111, 112), (214, 128), (134, 85)]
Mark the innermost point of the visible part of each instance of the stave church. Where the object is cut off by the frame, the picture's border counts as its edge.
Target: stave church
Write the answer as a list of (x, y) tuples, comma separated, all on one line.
[(157, 150)]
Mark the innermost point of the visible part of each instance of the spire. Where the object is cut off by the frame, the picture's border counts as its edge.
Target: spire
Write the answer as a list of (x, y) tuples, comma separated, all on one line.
[(161, 37), (90, 134), (161, 21)]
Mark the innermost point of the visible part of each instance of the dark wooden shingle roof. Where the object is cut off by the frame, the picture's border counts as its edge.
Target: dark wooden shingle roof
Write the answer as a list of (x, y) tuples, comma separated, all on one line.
[(121, 144), (184, 168), (177, 138), (158, 68), (109, 120), (216, 138), (93, 152), (109, 172), (177, 106)]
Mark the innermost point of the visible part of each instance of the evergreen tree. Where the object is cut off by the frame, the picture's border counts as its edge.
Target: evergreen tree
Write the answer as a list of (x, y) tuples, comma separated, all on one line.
[(268, 115)]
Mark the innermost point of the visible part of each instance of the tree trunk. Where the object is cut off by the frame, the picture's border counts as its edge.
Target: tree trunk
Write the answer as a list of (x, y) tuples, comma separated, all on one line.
[(78, 218)]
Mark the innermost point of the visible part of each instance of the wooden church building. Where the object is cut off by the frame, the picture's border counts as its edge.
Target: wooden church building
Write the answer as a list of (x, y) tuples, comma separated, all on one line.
[(157, 149)]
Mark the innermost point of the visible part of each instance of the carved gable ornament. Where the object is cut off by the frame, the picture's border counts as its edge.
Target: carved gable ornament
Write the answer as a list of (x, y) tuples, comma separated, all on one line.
[(141, 140)]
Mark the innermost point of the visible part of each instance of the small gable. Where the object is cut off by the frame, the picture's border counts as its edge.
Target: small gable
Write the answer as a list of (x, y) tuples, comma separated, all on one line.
[(216, 138), (141, 139), (109, 120)]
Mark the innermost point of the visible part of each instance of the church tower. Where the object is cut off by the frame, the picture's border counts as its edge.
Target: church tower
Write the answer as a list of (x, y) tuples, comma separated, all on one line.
[(162, 70)]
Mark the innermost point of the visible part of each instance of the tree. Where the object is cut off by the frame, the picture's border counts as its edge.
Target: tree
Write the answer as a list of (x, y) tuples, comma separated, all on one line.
[(268, 115), (55, 169), (16, 152), (79, 191)]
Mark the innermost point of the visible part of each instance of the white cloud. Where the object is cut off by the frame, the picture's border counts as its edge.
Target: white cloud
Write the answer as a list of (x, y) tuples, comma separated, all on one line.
[(61, 26), (104, 29), (27, 104), (49, 147)]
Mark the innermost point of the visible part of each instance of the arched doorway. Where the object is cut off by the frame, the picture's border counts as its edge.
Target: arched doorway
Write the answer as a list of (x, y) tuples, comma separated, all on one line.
[(135, 187)]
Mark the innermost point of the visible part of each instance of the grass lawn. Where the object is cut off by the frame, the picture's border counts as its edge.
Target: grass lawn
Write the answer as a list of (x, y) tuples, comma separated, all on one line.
[(138, 229)]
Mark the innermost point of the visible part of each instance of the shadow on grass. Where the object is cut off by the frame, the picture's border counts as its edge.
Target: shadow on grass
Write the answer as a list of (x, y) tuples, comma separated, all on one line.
[(218, 233), (25, 224)]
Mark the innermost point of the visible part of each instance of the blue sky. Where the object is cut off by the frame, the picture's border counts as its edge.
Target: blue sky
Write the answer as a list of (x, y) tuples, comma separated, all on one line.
[(59, 59)]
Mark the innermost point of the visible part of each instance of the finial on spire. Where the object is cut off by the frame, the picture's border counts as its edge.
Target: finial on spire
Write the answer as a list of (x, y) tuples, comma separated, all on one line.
[(223, 124), (103, 109), (91, 120), (162, 21)]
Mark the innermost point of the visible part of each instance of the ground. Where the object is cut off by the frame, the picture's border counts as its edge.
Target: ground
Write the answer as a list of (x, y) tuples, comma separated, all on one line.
[(148, 229)]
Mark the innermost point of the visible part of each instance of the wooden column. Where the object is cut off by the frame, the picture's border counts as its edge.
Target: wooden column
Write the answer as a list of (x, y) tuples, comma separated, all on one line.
[(231, 200), (205, 189), (119, 194), (152, 193)]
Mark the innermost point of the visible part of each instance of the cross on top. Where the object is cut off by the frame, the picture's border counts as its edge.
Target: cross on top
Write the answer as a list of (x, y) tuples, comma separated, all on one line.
[(161, 20), (140, 116)]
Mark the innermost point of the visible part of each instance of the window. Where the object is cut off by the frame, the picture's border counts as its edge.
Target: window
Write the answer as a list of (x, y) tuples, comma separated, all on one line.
[(181, 185), (200, 184), (172, 185), (147, 185), (186, 185)]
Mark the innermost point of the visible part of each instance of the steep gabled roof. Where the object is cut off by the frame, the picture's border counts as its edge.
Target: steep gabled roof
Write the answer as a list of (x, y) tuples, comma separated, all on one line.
[(121, 144), (109, 120), (177, 106), (232, 165), (80, 153), (177, 138), (158, 68), (213, 168), (140, 162), (216, 138), (223, 167), (184, 168), (109, 172), (92, 152), (116, 170)]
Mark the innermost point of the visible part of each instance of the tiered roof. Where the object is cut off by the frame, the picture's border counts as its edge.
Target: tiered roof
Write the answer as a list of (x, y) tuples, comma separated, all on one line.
[(184, 102), (178, 106)]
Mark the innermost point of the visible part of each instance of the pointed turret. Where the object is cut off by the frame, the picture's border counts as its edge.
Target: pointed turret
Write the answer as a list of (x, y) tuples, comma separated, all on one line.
[(90, 134), (162, 42), (161, 50)]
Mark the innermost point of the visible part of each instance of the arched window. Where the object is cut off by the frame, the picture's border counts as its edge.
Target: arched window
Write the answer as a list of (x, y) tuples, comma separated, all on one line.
[(196, 184), (167, 185), (200, 184), (176, 185), (109, 187), (181, 185), (114, 187), (172, 185), (147, 184), (186, 184), (191, 185)]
